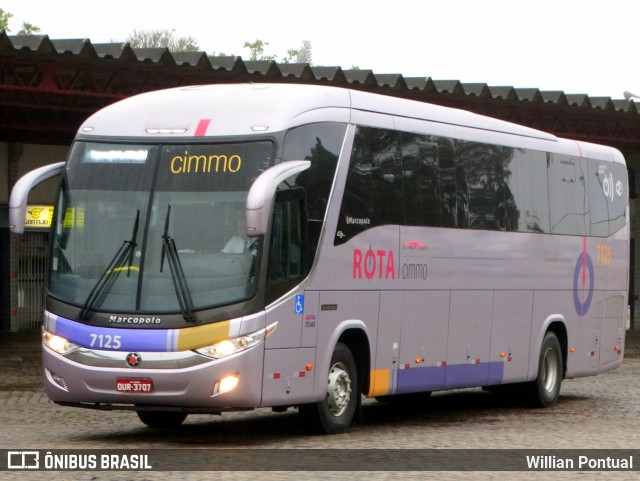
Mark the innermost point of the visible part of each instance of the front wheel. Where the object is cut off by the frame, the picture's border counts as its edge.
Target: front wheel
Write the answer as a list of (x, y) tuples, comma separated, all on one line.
[(335, 412), (545, 390)]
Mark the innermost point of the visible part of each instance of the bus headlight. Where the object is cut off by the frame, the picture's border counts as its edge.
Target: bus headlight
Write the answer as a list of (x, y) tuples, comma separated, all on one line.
[(227, 347), (58, 343)]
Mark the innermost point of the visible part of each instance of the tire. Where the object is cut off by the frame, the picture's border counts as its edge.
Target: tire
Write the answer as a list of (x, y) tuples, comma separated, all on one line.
[(545, 390), (335, 412), (162, 419)]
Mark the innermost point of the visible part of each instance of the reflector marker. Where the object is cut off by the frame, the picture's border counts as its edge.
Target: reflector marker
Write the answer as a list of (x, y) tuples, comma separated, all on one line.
[(201, 129)]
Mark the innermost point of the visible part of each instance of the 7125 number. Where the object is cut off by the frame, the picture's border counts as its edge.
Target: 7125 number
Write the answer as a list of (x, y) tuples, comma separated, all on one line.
[(106, 341)]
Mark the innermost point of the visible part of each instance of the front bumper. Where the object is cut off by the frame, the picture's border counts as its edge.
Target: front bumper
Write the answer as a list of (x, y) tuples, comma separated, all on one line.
[(183, 379)]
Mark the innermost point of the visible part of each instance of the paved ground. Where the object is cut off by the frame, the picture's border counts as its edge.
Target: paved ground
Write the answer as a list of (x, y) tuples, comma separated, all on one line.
[(593, 413)]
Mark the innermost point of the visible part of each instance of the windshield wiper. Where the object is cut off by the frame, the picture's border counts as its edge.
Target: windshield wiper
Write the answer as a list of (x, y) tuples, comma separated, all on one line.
[(177, 273), (109, 275)]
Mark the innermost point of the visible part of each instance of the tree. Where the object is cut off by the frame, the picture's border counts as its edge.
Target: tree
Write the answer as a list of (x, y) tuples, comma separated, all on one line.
[(162, 39), (257, 50), (4, 20), (304, 54), (301, 55), (27, 28)]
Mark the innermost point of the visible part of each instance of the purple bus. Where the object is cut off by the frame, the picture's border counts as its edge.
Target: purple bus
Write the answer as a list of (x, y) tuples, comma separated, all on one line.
[(229, 247)]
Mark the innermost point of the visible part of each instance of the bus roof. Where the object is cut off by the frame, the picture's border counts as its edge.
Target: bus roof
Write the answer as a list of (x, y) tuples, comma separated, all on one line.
[(250, 109), (240, 109)]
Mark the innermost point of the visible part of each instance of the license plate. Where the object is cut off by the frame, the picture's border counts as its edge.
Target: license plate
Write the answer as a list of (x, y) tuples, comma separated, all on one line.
[(134, 385)]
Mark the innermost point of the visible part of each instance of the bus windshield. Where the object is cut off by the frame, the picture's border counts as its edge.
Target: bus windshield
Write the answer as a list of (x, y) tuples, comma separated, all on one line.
[(156, 228)]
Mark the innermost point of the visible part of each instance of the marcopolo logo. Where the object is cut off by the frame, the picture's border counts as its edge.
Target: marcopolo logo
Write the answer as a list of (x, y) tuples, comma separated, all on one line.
[(134, 320)]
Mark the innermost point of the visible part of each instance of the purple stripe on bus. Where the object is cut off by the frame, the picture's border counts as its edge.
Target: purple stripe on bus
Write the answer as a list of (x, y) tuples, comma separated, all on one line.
[(434, 378), (419, 379), (112, 339)]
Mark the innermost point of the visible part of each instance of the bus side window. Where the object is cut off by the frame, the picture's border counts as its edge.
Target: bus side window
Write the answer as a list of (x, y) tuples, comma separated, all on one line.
[(287, 249), (600, 180), (421, 174), (373, 193), (567, 195), (620, 196), (526, 190)]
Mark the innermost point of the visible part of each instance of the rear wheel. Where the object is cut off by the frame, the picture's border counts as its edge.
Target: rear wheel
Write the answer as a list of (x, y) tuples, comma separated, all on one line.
[(545, 390), (162, 419), (335, 412)]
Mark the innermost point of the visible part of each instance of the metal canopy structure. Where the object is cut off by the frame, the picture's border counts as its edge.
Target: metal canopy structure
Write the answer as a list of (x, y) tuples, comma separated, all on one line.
[(48, 87)]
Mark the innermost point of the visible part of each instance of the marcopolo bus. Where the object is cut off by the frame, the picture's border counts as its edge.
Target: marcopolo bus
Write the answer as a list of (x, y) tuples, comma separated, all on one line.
[(229, 247)]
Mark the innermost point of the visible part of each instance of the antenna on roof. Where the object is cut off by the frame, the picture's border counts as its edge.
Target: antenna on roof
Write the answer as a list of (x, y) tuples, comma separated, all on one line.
[(629, 96)]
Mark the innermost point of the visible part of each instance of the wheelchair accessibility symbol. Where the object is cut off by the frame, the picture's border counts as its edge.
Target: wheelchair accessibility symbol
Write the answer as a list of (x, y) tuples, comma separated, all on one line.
[(299, 303), (583, 280)]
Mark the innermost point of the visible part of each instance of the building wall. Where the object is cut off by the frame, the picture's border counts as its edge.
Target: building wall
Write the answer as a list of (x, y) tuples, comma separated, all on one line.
[(633, 162), (31, 156), (15, 161)]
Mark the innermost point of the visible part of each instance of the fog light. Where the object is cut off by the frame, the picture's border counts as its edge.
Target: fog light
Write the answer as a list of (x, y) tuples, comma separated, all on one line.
[(59, 380), (226, 384)]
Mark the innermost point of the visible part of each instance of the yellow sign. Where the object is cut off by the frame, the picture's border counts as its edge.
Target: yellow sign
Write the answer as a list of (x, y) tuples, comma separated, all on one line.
[(74, 217), (38, 217)]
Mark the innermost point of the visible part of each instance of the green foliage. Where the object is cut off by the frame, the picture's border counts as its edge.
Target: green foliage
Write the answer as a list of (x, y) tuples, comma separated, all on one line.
[(257, 50), (27, 28), (300, 55), (4, 20)]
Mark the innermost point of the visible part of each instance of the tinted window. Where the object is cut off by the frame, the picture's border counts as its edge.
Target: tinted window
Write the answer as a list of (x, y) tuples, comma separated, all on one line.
[(373, 192), (453, 197), (321, 144), (567, 195), (526, 192), (443, 182), (618, 208), (421, 174), (480, 173), (288, 243), (600, 180)]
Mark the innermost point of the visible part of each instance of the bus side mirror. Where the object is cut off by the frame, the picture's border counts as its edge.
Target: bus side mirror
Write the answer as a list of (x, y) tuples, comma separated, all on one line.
[(20, 193), (262, 193)]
